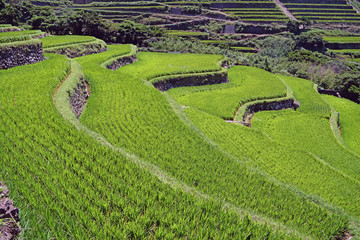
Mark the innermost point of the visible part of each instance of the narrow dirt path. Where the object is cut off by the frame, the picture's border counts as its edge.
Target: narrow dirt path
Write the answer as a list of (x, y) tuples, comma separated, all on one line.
[(285, 10)]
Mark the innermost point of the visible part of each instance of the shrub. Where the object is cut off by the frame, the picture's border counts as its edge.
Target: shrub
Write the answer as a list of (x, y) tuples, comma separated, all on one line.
[(312, 42)]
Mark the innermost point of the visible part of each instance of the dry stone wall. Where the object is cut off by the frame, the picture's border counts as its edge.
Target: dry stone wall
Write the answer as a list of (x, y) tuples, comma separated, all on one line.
[(191, 80), (9, 215), (17, 55), (122, 62), (79, 99), (268, 106), (329, 92)]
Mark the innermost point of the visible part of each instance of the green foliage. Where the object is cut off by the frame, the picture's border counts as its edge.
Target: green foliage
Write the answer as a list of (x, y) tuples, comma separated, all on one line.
[(349, 86), (191, 10), (293, 26), (306, 56), (172, 44), (310, 41), (275, 47)]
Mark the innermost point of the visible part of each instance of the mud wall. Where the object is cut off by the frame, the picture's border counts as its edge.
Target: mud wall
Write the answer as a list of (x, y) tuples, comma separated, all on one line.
[(191, 80), (17, 55)]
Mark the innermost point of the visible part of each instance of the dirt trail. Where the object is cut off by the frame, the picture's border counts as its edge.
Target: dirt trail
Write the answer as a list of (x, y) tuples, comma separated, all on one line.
[(285, 10)]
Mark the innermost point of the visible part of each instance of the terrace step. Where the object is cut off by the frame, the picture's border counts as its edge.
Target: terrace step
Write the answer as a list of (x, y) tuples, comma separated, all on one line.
[(316, 1), (332, 6), (324, 10)]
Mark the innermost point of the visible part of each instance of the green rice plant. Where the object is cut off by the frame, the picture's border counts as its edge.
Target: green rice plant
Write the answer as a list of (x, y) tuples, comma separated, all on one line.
[(349, 118), (56, 41), (20, 43), (246, 84), (311, 129), (6, 37), (181, 33), (131, 114), (68, 185), (78, 49), (352, 39)]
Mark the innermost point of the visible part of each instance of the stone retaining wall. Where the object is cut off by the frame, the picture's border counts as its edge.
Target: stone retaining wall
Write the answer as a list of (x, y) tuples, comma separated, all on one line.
[(79, 99), (343, 45), (17, 55), (122, 62), (192, 80), (9, 215), (268, 106), (329, 92)]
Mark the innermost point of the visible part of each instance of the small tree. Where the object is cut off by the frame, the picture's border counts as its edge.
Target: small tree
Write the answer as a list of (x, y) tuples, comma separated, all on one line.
[(305, 22), (293, 27), (2, 4)]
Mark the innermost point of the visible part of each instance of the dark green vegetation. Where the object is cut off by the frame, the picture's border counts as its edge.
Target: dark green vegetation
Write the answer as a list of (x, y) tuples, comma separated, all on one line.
[(323, 11)]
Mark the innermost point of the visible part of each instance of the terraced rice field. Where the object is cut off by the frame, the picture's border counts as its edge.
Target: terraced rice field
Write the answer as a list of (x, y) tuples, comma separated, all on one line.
[(348, 47), (349, 118), (15, 36), (72, 45), (143, 164), (186, 34), (334, 11), (118, 11), (261, 11)]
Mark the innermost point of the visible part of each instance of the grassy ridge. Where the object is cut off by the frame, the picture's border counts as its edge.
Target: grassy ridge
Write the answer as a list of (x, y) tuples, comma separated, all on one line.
[(56, 41), (349, 120)]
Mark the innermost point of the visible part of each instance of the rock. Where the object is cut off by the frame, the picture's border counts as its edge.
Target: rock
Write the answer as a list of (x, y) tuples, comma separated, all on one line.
[(9, 215), (17, 55), (79, 99)]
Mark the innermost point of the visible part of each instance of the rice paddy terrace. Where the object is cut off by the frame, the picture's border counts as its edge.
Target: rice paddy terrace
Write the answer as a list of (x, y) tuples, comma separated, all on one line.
[(172, 146), (251, 11)]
